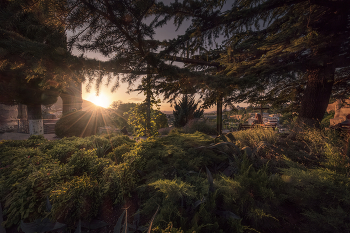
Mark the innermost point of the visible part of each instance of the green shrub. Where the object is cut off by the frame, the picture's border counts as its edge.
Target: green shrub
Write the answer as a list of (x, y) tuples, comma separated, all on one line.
[(164, 131), (325, 122), (117, 154), (194, 183), (79, 123), (119, 181), (26, 181), (173, 189), (201, 126), (322, 196), (137, 118), (78, 198)]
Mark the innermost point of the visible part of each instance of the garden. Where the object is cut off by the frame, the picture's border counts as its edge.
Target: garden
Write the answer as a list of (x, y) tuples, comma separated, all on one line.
[(291, 56), (247, 181)]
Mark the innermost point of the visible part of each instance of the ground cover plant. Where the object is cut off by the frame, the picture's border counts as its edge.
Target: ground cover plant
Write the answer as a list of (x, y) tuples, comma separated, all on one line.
[(246, 181)]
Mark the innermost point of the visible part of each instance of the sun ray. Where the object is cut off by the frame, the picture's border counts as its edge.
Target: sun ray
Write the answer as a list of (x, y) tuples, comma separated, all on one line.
[(101, 100)]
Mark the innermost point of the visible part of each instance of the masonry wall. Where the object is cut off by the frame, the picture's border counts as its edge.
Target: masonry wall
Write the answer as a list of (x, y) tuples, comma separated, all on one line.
[(8, 117)]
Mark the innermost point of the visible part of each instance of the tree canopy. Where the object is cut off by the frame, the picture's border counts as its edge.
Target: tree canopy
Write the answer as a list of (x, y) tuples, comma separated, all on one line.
[(275, 51), (35, 64), (291, 52)]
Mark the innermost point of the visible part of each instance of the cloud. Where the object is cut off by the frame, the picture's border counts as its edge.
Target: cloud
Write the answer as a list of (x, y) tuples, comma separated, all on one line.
[(136, 99)]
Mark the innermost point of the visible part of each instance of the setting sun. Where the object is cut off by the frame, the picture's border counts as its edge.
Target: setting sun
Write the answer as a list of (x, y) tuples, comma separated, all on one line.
[(100, 100)]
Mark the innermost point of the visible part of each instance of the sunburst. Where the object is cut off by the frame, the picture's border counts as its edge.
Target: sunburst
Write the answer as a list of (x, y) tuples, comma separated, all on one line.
[(100, 100)]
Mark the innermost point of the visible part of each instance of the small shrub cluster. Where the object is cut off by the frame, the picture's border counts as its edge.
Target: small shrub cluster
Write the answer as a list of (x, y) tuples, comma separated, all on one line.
[(165, 131), (68, 171), (193, 126), (79, 123), (201, 126)]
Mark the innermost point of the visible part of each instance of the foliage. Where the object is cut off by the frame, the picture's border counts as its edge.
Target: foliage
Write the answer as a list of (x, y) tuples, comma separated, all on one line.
[(165, 131), (186, 110), (117, 114), (252, 137), (173, 189), (326, 119), (269, 45), (191, 182), (137, 118), (79, 123), (201, 126), (35, 64), (288, 119), (74, 181), (322, 195)]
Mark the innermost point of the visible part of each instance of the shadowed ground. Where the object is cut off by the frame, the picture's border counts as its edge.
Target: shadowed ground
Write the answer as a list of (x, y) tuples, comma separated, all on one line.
[(23, 136)]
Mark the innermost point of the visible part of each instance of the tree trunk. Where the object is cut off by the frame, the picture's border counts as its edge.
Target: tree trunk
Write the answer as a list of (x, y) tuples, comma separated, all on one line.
[(219, 116), (315, 99), (148, 100), (36, 125)]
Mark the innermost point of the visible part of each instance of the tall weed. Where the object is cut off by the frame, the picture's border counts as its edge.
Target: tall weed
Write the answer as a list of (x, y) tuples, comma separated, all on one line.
[(314, 139), (252, 137)]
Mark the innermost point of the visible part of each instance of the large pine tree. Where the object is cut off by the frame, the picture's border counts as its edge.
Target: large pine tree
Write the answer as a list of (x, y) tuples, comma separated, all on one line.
[(275, 51)]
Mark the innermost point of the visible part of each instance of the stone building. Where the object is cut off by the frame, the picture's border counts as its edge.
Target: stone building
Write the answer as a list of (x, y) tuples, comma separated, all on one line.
[(341, 111), (8, 117), (14, 118)]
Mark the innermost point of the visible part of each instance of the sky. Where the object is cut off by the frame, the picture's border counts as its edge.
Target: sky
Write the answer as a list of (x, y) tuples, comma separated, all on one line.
[(106, 97)]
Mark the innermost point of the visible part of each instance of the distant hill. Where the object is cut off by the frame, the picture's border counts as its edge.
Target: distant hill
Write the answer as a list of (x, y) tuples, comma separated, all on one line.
[(167, 112), (87, 105)]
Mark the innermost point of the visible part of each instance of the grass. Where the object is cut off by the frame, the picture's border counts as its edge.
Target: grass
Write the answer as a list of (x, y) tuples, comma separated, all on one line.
[(192, 182)]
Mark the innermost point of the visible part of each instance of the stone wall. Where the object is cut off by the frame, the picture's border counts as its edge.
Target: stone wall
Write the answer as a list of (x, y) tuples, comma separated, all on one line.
[(8, 117)]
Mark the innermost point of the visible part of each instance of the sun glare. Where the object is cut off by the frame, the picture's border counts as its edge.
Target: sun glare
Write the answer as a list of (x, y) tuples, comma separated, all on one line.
[(100, 100)]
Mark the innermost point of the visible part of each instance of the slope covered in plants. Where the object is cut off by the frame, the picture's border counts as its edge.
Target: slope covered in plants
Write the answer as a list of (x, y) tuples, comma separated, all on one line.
[(248, 181)]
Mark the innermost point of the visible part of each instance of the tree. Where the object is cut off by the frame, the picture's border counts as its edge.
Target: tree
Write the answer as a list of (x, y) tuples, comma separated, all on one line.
[(276, 51), (35, 65), (137, 117), (118, 114), (185, 111)]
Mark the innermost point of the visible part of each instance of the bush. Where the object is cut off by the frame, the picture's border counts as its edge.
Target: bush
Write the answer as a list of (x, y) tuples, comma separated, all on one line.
[(326, 119), (137, 117), (79, 124), (164, 131), (200, 126), (195, 184)]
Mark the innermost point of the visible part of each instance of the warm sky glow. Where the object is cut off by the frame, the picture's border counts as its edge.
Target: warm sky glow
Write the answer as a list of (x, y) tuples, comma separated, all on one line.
[(106, 97), (100, 100)]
